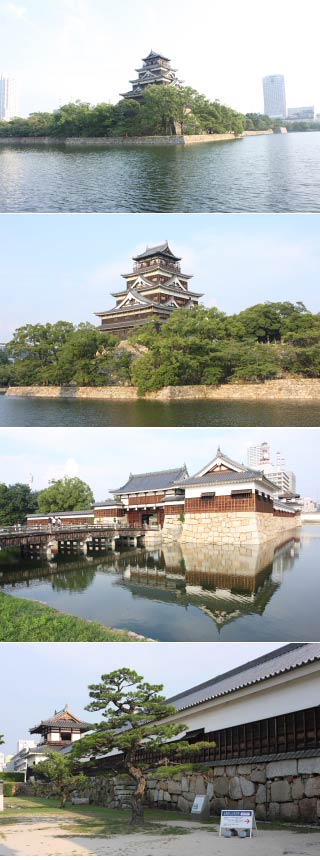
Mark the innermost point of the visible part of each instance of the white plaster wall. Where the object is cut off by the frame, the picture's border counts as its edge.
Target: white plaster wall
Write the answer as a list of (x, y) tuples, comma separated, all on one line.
[(268, 699)]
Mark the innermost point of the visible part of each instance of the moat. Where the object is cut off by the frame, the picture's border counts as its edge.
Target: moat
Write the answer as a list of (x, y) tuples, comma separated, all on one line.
[(175, 593), (273, 173), (47, 412)]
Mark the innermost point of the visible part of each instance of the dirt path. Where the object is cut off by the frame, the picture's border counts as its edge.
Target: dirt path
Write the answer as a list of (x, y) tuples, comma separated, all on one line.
[(47, 838)]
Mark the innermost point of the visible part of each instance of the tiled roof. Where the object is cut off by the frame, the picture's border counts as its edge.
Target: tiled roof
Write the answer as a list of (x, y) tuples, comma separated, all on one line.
[(157, 249), (153, 480), (227, 478), (153, 56), (60, 719), (109, 503), (277, 662), (60, 514)]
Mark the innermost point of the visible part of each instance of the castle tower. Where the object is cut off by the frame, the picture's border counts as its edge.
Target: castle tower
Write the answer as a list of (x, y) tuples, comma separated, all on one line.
[(154, 289), (156, 69)]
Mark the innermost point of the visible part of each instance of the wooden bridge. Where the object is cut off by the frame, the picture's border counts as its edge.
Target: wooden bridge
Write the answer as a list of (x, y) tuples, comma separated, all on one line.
[(53, 539)]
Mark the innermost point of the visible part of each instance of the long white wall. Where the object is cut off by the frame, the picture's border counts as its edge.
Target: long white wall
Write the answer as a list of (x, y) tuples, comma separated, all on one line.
[(294, 692)]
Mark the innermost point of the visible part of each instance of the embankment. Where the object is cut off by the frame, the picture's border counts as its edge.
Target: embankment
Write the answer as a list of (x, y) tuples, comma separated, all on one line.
[(152, 140), (289, 388)]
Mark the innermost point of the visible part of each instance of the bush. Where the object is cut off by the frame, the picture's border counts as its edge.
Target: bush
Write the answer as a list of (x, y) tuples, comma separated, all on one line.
[(11, 776), (11, 788)]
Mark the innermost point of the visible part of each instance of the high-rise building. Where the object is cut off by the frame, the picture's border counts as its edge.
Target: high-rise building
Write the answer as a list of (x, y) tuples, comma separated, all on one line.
[(274, 93), (8, 98), (258, 455)]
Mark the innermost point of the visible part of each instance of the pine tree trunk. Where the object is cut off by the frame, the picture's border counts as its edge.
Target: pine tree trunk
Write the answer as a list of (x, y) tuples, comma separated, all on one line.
[(137, 813)]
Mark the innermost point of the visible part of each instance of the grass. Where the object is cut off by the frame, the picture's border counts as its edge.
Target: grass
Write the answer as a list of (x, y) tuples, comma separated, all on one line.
[(28, 621), (91, 821)]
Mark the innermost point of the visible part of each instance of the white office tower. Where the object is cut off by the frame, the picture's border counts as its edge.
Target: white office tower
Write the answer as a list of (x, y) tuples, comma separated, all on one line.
[(258, 455), (8, 98), (274, 93)]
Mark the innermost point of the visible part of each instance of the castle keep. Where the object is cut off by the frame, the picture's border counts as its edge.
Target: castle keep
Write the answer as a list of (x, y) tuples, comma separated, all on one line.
[(154, 288)]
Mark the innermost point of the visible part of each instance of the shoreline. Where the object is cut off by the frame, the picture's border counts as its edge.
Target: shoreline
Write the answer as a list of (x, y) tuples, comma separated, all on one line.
[(148, 140), (286, 389), (32, 620)]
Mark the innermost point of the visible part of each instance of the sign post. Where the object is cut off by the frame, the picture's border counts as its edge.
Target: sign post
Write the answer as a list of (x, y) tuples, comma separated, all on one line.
[(1, 797), (238, 822), (201, 807)]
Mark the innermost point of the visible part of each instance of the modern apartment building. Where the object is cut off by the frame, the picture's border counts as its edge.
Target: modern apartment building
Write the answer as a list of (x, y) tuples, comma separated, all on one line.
[(274, 94), (8, 98)]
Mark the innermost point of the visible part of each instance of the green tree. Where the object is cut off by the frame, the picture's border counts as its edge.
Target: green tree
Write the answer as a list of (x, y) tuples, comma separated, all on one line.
[(16, 501), (57, 768), (65, 494), (1, 739), (132, 709)]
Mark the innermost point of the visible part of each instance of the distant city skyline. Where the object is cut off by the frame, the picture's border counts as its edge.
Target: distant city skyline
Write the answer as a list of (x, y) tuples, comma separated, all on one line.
[(66, 267), (79, 49)]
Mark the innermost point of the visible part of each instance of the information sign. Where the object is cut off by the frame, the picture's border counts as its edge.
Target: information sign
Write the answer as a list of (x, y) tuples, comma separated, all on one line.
[(201, 806), (238, 820)]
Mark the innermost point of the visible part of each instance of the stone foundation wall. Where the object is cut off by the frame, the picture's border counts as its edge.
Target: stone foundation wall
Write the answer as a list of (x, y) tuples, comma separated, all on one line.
[(289, 388), (172, 528), (234, 528), (150, 140), (285, 789)]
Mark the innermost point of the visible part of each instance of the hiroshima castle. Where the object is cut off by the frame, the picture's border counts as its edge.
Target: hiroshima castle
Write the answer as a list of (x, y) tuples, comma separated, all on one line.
[(154, 288), (156, 69)]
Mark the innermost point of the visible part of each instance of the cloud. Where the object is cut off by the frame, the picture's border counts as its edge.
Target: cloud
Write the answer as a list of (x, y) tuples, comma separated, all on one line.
[(15, 9)]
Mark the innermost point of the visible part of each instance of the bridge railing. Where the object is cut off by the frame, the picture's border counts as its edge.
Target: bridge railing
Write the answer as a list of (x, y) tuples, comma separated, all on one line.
[(51, 528)]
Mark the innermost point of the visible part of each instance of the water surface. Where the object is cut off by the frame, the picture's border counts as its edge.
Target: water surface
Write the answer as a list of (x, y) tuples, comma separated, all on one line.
[(47, 412), (179, 593), (272, 173)]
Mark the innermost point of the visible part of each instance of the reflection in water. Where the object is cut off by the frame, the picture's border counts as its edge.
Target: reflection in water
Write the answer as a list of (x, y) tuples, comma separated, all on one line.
[(176, 593)]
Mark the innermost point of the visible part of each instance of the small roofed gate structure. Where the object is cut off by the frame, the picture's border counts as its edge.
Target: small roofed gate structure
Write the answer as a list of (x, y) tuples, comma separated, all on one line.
[(154, 289), (143, 495)]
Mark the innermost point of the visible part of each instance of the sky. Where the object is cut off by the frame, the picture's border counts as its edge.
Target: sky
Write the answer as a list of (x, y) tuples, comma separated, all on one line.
[(70, 668), (64, 50), (66, 266), (104, 457)]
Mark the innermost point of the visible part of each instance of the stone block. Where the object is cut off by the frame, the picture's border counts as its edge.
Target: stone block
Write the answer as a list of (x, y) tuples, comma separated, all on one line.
[(217, 804), (318, 808), (261, 812), (160, 794), (219, 771), (312, 786), (309, 765), (183, 804), (200, 785), (297, 788), (287, 767), (174, 787), (280, 791), (247, 787), (210, 791), (235, 788), (261, 794), (184, 783), (167, 796), (274, 810), (289, 811), (244, 769), (220, 786), (308, 809), (258, 776), (231, 770)]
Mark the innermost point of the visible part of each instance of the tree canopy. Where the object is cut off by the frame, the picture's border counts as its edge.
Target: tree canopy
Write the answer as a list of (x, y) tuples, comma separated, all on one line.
[(65, 494), (16, 501), (58, 768), (194, 346), (133, 711), (162, 108)]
